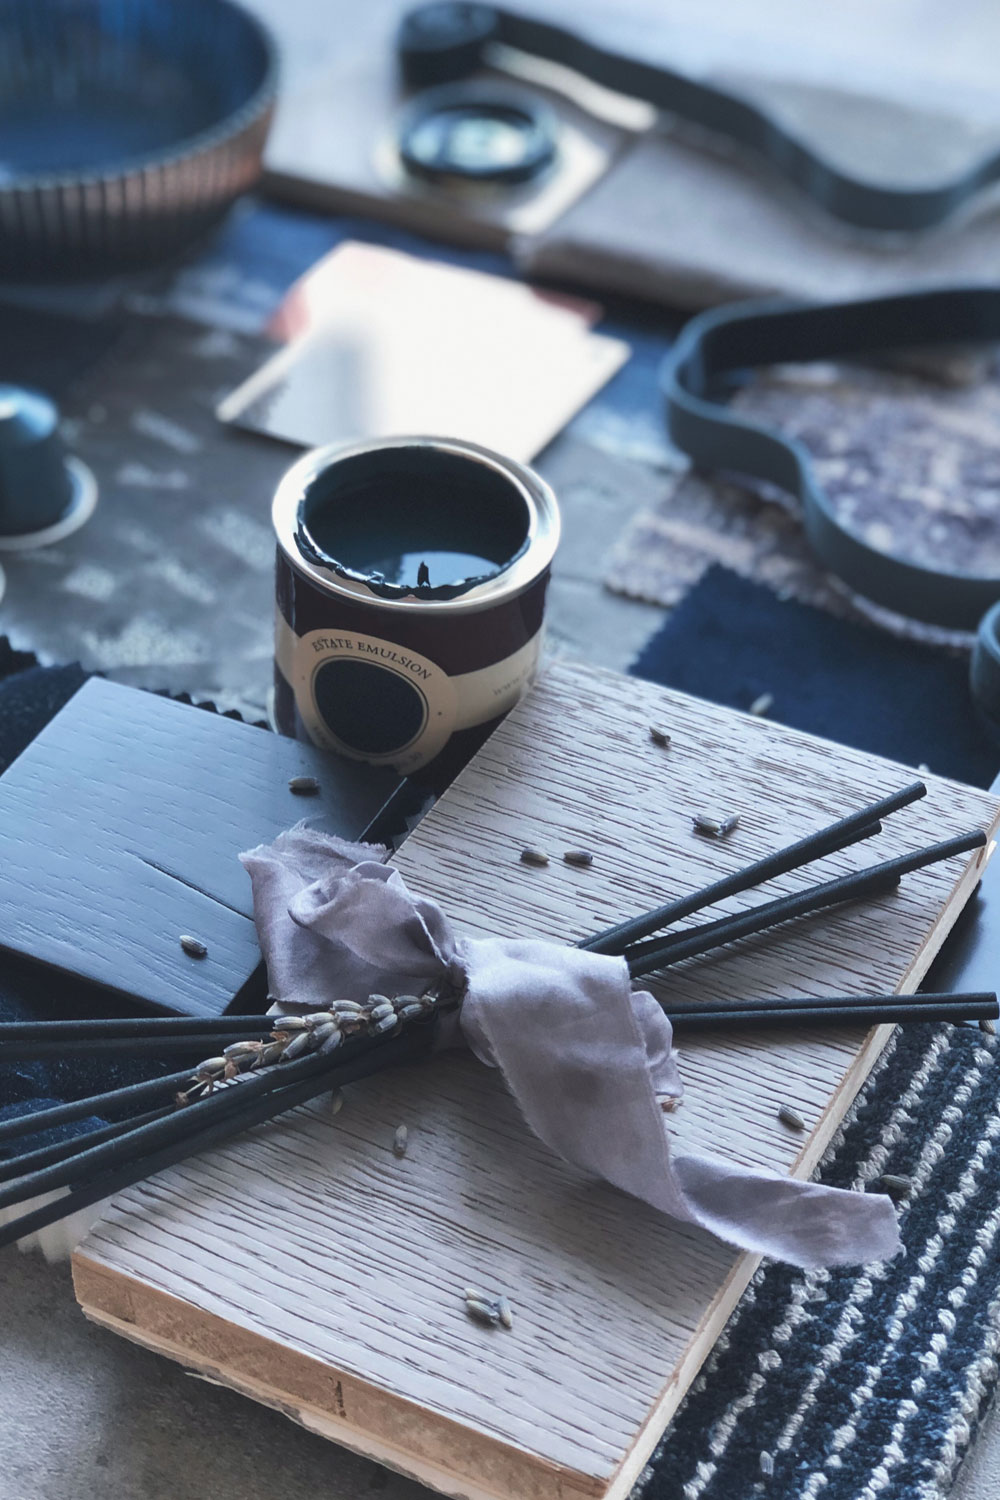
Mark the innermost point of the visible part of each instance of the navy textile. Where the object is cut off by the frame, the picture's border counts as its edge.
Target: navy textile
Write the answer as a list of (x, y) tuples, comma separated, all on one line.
[(731, 640)]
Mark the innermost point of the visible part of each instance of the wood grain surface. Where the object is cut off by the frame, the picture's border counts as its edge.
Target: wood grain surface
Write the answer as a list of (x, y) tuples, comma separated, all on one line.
[(308, 1266), (120, 828)]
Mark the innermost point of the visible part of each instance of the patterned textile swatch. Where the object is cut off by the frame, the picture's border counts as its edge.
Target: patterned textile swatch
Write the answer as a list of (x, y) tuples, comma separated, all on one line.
[(908, 463)]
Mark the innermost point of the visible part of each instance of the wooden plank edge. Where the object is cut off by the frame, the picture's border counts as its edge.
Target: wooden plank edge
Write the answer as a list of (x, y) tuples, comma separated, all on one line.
[(472, 1465)]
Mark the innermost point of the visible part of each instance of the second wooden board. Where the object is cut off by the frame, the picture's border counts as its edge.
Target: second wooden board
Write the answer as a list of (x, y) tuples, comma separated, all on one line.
[(309, 1267)]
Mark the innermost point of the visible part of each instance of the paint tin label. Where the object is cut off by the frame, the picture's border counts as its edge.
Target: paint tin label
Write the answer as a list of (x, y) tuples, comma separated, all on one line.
[(372, 699)]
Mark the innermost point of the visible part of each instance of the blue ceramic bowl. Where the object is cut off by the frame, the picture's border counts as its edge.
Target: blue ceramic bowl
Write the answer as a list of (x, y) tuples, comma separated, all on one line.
[(127, 127)]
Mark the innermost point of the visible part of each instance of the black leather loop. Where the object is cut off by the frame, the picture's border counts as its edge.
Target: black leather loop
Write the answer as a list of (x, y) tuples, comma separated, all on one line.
[(719, 344), (447, 39)]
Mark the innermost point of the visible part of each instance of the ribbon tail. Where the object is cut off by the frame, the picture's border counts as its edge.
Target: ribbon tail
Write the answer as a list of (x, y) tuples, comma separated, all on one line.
[(803, 1223)]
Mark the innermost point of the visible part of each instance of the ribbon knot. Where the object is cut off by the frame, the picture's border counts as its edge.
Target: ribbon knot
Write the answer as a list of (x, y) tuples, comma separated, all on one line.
[(587, 1058)]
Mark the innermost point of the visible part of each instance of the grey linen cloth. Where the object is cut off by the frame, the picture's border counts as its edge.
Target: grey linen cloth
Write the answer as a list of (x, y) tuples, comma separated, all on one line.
[(587, 1058)]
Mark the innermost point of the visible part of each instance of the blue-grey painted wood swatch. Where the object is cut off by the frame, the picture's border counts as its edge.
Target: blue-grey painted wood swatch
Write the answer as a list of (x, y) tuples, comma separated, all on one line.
[(120, 828)]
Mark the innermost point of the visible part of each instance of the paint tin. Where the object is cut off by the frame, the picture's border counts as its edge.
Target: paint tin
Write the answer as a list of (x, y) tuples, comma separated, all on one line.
[(411, 579)]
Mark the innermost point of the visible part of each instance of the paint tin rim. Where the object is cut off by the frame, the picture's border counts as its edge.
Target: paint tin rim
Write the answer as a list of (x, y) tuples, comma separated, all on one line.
[(534, 558)]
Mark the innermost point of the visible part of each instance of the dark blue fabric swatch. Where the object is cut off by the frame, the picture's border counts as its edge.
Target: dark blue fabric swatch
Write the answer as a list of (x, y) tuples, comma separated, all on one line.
[(731, 640)]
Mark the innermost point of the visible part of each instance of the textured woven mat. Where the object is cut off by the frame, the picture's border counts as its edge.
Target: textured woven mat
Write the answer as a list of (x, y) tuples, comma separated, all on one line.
[(910, 464), (852, 1385)]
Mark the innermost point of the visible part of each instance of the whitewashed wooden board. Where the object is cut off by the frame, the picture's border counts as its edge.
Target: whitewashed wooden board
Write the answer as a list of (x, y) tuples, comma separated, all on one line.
[(310, 1268)]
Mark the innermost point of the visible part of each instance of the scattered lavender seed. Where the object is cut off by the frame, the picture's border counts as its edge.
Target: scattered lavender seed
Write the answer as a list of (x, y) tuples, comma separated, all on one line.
[(534, 857), (790, 1117), (579, 857), (299, 1045), (400, 1140), (304, 786), (762, 705), (766, 1461), (895, 1185), (659, 736), (193, 946), (505, 1311), (482, 1311), (716, 828)]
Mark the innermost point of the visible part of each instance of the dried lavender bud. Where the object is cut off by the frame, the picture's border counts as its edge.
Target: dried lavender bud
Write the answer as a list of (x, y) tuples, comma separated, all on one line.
[(300, 1044), (659, 736), (482, 1311), (581, 858), (716, 828), (304, 786), (534, 857), (896, 1185), (790, 1117), (192, 946)]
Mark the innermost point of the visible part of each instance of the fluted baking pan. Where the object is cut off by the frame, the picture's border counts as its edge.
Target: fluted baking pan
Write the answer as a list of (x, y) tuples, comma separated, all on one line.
[(127, 127)]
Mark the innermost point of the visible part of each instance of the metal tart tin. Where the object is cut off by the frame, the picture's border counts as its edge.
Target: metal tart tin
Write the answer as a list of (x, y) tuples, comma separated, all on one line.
[(411, 579), (125, 129)]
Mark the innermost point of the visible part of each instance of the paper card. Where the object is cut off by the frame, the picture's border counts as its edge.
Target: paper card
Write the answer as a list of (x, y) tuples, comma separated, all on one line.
[(385, 344), (355, 269)]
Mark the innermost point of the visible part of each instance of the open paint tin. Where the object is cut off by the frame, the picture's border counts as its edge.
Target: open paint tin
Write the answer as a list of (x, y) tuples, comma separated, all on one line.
[(411, 579)]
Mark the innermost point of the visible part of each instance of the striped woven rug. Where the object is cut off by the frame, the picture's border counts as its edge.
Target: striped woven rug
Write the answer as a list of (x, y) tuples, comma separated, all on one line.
[(850, 1385)]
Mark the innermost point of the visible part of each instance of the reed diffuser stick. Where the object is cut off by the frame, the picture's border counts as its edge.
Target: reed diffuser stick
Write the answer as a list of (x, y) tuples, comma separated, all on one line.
[(45, 1156), (840, 835), (234, 1100), (137, 1026), (657, 953), (137, 1161), (847, 1013)]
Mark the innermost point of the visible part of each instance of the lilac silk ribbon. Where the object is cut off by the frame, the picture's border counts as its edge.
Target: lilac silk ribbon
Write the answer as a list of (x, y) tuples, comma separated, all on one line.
[(588, 1058)]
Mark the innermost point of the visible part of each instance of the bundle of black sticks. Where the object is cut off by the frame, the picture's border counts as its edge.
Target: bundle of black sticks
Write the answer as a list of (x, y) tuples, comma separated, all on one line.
[(268, 1064)]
